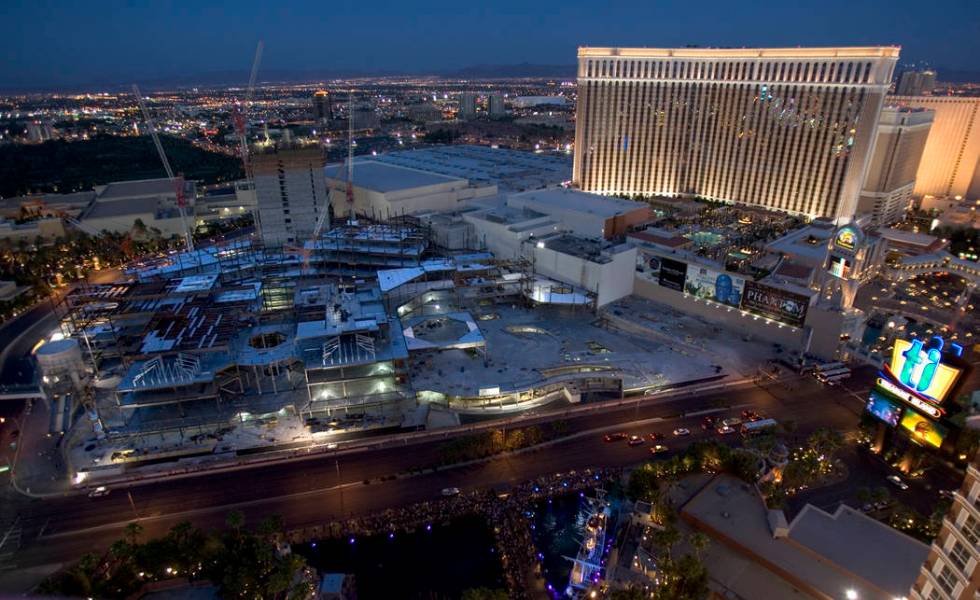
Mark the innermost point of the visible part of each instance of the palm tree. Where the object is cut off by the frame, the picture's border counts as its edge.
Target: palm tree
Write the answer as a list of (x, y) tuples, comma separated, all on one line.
[(698, 542), (132, 531), (235, 520)]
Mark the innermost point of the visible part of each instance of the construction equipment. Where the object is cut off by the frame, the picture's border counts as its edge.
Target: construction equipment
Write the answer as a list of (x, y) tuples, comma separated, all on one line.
[(177, 180), (240, 120)]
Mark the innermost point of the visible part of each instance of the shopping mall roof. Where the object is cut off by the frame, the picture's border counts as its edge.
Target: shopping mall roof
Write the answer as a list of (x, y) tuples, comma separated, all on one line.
[(509, 170), (568, 199), (384, 178), (144, 187)]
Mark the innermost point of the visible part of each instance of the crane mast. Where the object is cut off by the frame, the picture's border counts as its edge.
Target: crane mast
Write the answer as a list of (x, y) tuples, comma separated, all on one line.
[(240, 119), (178, 180)]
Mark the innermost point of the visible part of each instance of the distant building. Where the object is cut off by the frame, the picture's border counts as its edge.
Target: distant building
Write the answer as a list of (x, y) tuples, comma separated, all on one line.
[(118, 206), (727, 124), (322, 107), (467, 105), (40, 132), (290, 192), (509, 170), (952, 570), (425, 112), (916, 83), (902, 135), (495, 106), (952, 153), (529, 101), (382, 190)]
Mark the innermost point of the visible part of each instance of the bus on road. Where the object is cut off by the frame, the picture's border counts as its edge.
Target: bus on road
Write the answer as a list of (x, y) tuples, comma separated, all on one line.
[(755, 427)]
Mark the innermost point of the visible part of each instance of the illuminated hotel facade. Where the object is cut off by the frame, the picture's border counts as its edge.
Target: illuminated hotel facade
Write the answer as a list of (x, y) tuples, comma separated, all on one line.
[(787, 129)]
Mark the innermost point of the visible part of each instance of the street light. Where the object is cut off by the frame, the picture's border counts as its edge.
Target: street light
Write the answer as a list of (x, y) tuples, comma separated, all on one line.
[(851, 594)]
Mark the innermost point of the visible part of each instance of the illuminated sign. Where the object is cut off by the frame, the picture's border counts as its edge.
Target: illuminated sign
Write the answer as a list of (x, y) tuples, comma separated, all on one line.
[(922, 430), (840, 267), (847, 238), (775, 303), (930, 409), (917, 367), (884, 408)]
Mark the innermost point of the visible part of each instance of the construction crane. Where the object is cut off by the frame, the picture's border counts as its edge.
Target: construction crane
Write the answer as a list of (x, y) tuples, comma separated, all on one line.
[(177, 180), (240, 119)]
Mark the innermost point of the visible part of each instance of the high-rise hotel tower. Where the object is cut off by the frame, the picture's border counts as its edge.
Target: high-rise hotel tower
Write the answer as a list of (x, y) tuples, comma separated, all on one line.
[(789, 129)]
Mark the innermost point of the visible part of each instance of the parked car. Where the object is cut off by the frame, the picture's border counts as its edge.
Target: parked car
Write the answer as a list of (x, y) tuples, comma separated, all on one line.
[(897, 482), (725, 430), (450, 491), (635, 440), (655, 437), (657, 449), (708, 423), (615, 437), (681, 431)]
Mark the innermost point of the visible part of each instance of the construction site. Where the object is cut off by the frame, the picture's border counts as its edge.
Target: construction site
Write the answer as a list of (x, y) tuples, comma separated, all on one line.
[(355, 325)]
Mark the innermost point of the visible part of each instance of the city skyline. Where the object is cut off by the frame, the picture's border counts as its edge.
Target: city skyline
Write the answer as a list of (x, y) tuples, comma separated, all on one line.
[(60, 47)]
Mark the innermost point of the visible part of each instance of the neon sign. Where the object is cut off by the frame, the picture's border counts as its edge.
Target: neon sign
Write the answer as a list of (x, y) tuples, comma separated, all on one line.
[(847, 238), (917, 367)]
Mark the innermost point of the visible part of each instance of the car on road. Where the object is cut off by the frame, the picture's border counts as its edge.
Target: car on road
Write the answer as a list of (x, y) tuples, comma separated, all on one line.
[(682, 431), (635, 440), (99, 492), (655, 437), (725, 430), (657, 449), (896, 481), (615, 437), (708, 423), (450, 491), (946, 494)]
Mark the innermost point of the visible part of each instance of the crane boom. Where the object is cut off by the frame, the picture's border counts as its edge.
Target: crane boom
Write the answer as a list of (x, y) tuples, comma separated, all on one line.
[(177, 181), (240, 119)]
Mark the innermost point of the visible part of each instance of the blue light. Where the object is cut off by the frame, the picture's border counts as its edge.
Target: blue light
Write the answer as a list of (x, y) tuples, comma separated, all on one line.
[(352, 540), (428, 527)]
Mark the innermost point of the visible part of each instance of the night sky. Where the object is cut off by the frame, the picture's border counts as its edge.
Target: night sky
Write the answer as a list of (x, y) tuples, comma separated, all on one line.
[(48, 43)]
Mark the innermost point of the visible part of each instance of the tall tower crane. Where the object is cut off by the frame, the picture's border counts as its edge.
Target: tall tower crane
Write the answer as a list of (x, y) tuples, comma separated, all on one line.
[(177, 180), (240, 119)]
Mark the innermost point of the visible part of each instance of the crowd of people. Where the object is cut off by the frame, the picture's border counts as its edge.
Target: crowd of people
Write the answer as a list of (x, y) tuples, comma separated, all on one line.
[(506, 513)]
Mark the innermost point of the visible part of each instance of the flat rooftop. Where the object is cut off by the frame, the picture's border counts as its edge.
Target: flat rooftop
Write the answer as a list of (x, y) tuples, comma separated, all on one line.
[(132, 206), (509, 170), (383, 177), (825, 553), (144, 187), (567, 199), (822, 52)]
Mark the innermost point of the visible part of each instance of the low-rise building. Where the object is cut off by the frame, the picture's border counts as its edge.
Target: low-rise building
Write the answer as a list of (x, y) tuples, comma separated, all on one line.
[(118, 206)]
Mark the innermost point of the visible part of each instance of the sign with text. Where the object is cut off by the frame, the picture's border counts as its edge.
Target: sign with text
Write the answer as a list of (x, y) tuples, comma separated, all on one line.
[(672, 274), (775, 303)]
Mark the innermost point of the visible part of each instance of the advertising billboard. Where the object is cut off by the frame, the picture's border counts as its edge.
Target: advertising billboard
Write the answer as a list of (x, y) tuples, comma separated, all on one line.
[(775, 303), (922, 430), (714, 285), (672, 274), (917, 367), (840, 267), (884, 408)]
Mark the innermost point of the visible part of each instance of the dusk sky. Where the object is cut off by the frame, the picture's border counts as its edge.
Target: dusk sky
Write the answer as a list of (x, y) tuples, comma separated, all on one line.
[(47, 43)]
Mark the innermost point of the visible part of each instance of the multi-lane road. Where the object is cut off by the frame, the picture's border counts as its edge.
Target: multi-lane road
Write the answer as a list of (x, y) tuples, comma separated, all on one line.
[(308, 492)]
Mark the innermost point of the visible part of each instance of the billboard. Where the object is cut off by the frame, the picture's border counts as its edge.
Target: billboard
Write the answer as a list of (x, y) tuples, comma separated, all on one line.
[(840, 267), (714, 285), (884, 408), (672, 274), (775, 303), (917, 367), (923, 431)]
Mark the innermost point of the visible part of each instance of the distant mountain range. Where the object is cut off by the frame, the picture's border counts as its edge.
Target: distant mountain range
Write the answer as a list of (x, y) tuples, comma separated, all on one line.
[(269, 76), (232, 77)]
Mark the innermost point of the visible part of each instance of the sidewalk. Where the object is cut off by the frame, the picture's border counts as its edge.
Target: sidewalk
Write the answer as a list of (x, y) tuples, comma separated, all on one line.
[(39, 467)]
